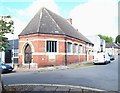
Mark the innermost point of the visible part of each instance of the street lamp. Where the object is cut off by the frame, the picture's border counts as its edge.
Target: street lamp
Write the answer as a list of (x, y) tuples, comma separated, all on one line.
[(13, 51)]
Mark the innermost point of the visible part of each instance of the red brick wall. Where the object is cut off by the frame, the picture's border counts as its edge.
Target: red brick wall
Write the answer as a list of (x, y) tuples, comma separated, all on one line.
[(20, 59), (60, 60), (61, 47), (39, 46), (73, 59)]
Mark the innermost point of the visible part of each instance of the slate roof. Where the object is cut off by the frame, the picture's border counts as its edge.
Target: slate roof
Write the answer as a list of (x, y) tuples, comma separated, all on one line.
[(110, 45), (47, 22)]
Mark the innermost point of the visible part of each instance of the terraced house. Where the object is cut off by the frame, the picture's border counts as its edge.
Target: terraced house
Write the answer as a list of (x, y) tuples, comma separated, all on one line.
[(50, 40)]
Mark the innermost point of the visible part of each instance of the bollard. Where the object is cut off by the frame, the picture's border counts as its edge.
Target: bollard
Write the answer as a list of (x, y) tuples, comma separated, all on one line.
[(0, 82)]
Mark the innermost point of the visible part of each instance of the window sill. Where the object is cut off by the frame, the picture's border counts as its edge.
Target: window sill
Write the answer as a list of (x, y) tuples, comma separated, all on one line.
[(52, 53)]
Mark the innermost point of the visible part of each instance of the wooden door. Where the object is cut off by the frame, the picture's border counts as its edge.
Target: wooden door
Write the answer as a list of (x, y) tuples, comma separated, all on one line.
[(28, 54)]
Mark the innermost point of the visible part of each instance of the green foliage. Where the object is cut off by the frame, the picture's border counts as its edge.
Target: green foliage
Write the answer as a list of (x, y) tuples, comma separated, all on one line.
[(106, 38), (6, 26), (117, 40)]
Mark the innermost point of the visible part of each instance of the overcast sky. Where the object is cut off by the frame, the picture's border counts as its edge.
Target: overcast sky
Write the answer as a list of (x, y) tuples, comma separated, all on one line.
[(90, 17)]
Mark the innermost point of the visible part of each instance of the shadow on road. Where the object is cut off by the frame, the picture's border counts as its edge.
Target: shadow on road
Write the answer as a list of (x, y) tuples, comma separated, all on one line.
[(101, 63), (9, 72)]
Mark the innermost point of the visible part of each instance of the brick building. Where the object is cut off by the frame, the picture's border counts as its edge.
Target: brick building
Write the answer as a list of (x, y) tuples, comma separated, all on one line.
[(50, 40)]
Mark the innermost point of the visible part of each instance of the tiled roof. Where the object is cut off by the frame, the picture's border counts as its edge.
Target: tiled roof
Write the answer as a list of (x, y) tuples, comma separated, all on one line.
[(47, 22), (112, 45)]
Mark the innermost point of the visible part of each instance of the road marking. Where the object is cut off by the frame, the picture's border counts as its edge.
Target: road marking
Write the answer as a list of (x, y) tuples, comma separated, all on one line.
[(58, 85), (88, 66)]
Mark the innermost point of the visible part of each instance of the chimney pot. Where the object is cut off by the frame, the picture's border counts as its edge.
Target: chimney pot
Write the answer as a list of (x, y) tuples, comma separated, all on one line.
[(69, 20)]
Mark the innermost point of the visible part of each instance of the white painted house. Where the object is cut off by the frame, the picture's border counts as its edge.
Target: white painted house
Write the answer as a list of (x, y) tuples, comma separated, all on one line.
[(112, 48), (2, 56), (99, 44)]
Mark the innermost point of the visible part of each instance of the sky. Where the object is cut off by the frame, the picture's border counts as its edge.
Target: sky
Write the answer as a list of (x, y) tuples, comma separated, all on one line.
[(90, 17)]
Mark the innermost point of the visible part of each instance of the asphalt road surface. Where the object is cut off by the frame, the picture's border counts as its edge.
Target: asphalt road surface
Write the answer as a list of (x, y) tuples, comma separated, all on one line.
[(103, 77)]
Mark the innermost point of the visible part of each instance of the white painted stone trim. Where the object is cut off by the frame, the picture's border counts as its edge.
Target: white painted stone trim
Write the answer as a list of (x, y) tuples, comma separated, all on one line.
[(43, 40), (23, 48)]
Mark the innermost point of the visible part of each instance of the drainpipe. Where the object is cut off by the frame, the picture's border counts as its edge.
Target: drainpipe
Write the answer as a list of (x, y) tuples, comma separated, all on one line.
[(86, 52), (65, 53)]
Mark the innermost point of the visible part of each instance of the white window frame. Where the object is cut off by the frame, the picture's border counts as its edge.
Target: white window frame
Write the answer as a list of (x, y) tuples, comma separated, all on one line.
[(80, 49), (13, 54), (51, 46), (75, 48), (69, 48), (15, 51)]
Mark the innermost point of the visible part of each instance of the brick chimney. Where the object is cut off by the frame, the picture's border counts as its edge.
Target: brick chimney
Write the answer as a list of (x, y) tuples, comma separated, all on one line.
[(69, 20)]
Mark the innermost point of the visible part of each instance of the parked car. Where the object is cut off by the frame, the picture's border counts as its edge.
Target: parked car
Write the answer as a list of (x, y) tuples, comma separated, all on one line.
[(111, 57), (101, 58), (5, 68)]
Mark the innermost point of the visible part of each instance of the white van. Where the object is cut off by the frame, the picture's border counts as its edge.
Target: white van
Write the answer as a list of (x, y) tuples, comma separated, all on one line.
[(101, 58)]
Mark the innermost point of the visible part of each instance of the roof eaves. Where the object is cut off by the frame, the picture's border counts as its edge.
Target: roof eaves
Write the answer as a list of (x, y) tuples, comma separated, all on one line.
[(79, 39)]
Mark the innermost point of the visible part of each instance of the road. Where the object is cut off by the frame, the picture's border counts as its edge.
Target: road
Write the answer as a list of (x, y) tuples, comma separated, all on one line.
[(99, 76)]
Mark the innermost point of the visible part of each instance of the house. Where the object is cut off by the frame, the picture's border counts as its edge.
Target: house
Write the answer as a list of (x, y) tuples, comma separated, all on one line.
[(11, 55), (8, 56), (50, 40), (99, 44), (2, 56), (112, 48)]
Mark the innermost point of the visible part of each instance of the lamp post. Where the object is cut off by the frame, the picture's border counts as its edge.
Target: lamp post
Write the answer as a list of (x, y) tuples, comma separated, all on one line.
[(13, 51), (29, 58)]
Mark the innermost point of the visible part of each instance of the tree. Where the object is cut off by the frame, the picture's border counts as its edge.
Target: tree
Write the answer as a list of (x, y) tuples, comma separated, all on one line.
[(6, 26), (117, 39), (106, 38)]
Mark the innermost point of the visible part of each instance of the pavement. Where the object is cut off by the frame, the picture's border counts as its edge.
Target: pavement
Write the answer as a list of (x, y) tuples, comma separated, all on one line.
[(0, 88), (51, 88), (54, 68)]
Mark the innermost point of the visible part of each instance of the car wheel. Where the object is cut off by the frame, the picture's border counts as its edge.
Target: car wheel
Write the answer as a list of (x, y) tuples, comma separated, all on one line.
[(105, 62), (94, 63)]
